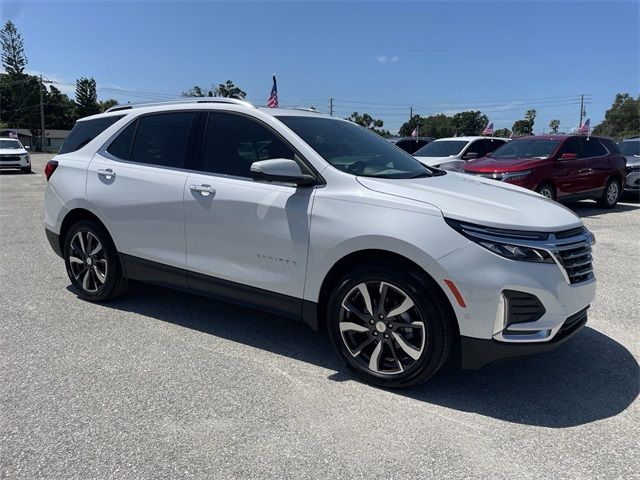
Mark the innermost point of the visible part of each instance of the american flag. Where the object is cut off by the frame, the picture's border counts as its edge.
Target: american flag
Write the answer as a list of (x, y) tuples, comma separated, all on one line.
[(488, 130), (584, 128), (273, 96), (415, 133)]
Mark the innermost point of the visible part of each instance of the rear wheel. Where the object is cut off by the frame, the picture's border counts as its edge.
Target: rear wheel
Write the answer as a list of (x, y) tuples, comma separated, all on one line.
[(92, 262), (547, 190), (611, 194), (388, 326)]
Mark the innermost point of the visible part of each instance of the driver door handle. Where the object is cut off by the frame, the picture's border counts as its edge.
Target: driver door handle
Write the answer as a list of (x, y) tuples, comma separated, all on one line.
[(204, 189)]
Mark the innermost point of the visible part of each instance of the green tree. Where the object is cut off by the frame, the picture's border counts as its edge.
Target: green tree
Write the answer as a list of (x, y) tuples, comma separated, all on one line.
[(530, 116), (197, 91), (367, 121), (13, 58), (59, 109), (230, 90), (622, 119), (502, 132), (107, 104), (554, 125), (407, 127), (470, 123), (522, 127), (438, 126), (86, 97)]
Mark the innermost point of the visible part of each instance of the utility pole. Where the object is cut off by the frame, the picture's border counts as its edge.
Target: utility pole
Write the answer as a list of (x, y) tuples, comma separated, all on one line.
[(581, 109), (410, 112), (331, 106), (42, 135)]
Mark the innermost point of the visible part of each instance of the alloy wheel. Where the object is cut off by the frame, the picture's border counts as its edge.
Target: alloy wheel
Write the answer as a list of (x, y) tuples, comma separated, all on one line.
[(612, 193), (87, 261), (382, 328), (546, 192)]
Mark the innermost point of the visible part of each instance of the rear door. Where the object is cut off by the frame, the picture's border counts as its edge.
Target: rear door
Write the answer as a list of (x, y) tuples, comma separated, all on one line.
[(136, 183)]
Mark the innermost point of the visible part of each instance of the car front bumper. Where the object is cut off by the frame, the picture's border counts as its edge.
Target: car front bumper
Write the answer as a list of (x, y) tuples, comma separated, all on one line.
[(633, 181), (482, 279), (14, 161)]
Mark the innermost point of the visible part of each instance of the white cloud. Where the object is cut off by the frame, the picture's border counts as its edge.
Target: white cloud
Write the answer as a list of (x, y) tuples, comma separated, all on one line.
[(385, 59)]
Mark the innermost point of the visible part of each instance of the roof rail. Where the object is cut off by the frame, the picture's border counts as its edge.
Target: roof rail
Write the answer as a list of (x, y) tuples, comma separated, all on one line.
[(233, 101)]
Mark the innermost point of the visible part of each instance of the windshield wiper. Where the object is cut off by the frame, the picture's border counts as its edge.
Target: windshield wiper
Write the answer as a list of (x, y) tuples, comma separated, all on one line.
[(422, 175)]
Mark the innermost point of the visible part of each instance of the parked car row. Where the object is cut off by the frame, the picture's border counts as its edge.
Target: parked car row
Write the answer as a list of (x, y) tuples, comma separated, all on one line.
[(559, 167)]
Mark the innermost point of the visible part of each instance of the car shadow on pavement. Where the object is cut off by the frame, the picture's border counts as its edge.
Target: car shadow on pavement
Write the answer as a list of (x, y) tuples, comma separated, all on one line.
[(589, 378), (591, 209)]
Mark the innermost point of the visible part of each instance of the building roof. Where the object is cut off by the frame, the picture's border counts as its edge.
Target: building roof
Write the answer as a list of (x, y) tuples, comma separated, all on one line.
[(20, 131)]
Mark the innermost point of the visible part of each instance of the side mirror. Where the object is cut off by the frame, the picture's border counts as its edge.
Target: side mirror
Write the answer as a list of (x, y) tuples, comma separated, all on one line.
[(569, 156), (470, 156), (27, 147), (280, 170)]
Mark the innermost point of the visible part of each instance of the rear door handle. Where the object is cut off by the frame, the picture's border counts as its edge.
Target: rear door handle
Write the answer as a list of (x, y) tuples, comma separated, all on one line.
[(106, 173), (205, 190)]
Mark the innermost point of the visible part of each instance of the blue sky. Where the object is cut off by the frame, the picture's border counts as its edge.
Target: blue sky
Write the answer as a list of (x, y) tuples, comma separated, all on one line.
[(378, 57)]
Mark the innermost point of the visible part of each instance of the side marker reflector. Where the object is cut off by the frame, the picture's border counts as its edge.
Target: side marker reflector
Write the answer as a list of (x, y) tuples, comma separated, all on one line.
[(456, 293)]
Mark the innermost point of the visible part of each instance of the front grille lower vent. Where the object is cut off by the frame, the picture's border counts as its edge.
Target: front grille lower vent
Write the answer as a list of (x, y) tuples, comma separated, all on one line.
[(522, 307)]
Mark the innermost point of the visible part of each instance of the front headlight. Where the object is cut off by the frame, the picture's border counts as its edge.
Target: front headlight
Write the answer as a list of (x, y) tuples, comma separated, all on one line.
[(517, 252), (506, 243), (515, 176)]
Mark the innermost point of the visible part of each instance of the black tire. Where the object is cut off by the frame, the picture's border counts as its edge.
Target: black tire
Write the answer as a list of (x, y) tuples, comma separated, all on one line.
[(547, 190), (101, 271), (430, 351), (26, 170), (611, 194)]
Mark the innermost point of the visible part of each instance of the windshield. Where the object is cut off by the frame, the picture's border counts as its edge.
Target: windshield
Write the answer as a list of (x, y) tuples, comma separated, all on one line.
[(10, 144), (629, 149), (533, 148), (355, 150), (445, 148)]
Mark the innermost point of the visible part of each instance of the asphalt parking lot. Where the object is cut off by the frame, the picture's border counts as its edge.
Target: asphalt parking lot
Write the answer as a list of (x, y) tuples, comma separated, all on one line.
[(161, 384)]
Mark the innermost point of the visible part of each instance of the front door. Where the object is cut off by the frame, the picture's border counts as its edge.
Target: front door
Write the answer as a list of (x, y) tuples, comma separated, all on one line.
[(244, 237)]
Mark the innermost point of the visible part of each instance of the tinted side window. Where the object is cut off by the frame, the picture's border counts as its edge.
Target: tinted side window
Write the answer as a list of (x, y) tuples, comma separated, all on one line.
[(570, 145), (163, 139), (232, 143), (611, 146), (85, 131), (121, 146), (477, 147), (493, 144), (592, 148)]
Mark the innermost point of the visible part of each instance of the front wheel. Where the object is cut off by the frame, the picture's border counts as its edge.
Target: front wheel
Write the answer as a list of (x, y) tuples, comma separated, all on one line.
[(388, 326), (92, 262), (547, 191), (611, 194)]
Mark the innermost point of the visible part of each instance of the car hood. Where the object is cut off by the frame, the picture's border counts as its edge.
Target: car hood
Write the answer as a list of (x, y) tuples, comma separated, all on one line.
[(488, 164), (435, 161), (633, 161), (481, 201), (12, 151)]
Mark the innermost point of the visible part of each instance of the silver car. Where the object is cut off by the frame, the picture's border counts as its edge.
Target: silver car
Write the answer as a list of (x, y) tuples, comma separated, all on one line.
[(630, 148)]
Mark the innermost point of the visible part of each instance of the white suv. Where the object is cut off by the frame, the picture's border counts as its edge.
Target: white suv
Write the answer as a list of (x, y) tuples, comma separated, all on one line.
[(318, 219), (454, 152)]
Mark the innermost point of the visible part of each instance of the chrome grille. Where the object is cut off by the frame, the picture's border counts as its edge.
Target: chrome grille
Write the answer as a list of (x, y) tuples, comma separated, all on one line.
[(576, 259)]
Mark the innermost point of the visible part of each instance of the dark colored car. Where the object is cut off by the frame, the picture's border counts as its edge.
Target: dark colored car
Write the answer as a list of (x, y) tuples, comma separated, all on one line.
[(411, 144), (558, 167)]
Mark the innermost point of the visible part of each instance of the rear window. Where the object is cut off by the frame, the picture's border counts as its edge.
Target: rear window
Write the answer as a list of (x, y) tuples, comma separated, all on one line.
[(85, 131)]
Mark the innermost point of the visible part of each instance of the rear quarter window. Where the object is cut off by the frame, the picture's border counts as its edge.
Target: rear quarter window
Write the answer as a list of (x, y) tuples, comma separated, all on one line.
[(85, 131)]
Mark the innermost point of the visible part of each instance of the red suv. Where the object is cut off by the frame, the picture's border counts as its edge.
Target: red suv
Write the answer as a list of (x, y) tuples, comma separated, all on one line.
[(558, 167)]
